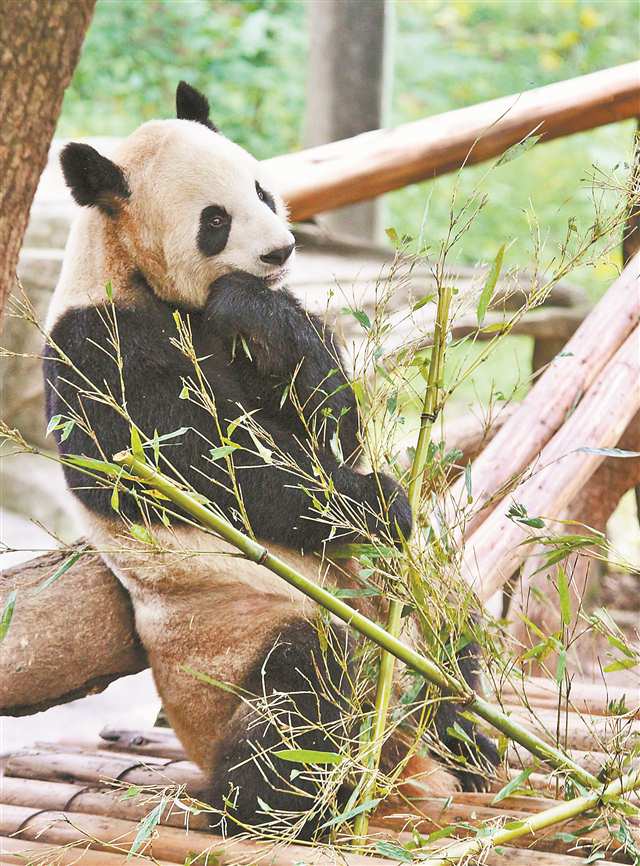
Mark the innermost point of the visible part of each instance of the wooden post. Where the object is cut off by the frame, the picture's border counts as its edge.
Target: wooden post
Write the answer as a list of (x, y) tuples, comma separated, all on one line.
[(346, 89)]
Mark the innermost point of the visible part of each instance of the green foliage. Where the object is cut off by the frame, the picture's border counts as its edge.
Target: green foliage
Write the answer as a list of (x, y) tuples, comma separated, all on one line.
[(246, 56)]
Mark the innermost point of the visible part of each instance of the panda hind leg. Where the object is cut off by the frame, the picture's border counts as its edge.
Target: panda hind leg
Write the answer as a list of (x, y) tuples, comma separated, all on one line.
[(482, 757), (303, 698)]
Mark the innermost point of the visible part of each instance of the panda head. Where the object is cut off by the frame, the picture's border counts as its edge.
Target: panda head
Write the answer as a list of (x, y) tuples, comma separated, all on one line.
[(184, 205)]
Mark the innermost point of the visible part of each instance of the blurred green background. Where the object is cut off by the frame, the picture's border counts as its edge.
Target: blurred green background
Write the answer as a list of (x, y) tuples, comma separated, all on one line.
[(250, 58)]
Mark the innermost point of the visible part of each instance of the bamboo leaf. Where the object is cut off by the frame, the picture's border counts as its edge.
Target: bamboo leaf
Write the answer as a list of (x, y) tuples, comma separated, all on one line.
[(53, 423), (360, 316), (609, 452), (515, 784), (7, 613), (518, 149), (136, 443), (622, 665), (352, 813), (147, 826), (565, 598), (394, 851), (490, 283), (61, 569), (309, 756), (222, 451)]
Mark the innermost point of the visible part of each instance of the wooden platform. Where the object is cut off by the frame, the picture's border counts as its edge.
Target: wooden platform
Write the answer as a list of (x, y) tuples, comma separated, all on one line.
[(85, 802)]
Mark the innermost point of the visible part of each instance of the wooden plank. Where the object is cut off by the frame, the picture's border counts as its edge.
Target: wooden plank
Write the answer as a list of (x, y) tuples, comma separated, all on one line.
[(360, 168)]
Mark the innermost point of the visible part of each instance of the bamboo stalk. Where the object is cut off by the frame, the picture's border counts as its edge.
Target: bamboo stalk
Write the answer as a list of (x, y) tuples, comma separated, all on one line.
[(420, 663), (394, 622), (495, 550)]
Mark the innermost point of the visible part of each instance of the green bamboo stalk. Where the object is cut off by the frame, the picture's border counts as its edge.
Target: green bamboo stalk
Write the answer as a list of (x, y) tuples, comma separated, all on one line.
[(255, 552), (540, 821), (373, 739)]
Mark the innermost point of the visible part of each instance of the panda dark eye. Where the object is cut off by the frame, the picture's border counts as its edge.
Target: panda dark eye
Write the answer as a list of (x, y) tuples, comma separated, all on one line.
[(215, 225)]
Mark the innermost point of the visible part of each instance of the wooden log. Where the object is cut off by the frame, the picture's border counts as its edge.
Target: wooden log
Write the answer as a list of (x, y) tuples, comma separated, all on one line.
[(14, 850), (360, 168), (554, 395), (592, 507), (108, 801), (60, 766), (173, 845), (67, 640), (591, 698), (168, 843), (495, 549)]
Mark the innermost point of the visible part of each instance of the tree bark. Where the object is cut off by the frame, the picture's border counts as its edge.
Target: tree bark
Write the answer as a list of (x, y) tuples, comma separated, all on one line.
[(65, 640), (40, 43)]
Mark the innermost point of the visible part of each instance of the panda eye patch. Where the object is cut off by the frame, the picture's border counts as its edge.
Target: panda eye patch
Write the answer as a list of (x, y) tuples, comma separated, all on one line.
[(266, 197), (213, 234)]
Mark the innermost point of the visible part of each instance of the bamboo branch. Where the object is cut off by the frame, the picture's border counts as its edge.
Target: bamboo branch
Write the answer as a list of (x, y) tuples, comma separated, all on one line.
[(394, 622), (255, 552)]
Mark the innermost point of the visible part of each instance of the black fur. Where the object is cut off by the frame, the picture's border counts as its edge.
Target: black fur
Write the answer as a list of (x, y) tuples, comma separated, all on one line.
[(93, 179), (318, 691), (193, 105), (266, 197), (213, 234), (154, 372), (478, 760)]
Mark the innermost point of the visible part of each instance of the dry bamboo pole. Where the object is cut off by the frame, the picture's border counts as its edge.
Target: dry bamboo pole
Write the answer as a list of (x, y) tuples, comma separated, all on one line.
[(546, 406), (427, 817), (91, 800), (495, 550), (12, 848), (360, 168), (56, 765), (167, 843), (584, 697)]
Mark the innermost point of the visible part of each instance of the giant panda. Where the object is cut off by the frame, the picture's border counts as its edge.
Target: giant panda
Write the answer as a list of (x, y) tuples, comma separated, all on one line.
[(183, 220)]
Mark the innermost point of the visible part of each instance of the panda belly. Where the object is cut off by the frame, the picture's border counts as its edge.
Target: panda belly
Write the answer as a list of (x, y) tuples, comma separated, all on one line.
[(200, 608)]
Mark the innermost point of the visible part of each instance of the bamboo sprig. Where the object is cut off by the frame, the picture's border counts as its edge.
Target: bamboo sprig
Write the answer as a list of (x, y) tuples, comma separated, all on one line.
[(535, 823), (255, 552), (373, 737)]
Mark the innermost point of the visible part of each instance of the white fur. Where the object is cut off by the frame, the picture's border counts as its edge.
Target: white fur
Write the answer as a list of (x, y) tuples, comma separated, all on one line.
[(175, 168)]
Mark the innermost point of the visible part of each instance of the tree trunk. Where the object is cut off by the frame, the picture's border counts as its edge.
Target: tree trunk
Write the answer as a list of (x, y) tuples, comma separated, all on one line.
[(40, 44)]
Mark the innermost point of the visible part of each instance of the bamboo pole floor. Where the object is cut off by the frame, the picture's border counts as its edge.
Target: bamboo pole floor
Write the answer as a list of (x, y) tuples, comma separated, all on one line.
[(85, 802)]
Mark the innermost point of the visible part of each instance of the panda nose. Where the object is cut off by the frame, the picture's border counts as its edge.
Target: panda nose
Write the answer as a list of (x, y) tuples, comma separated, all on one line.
[(278, 256)]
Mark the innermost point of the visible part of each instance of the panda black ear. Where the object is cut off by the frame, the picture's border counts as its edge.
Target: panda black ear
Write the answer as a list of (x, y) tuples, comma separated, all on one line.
[(93, 179), (192, 105)]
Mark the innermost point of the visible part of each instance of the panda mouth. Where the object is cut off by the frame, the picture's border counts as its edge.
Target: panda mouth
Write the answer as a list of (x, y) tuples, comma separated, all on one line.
[(276, 277)]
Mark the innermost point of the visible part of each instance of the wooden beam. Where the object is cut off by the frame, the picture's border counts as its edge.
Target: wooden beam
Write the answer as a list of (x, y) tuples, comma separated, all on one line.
[(495, 550), (65, 640), (359, 168), (552, 398)]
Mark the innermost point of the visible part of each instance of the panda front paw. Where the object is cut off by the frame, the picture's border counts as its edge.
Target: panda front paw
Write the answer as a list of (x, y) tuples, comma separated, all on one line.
[(389, 512)]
